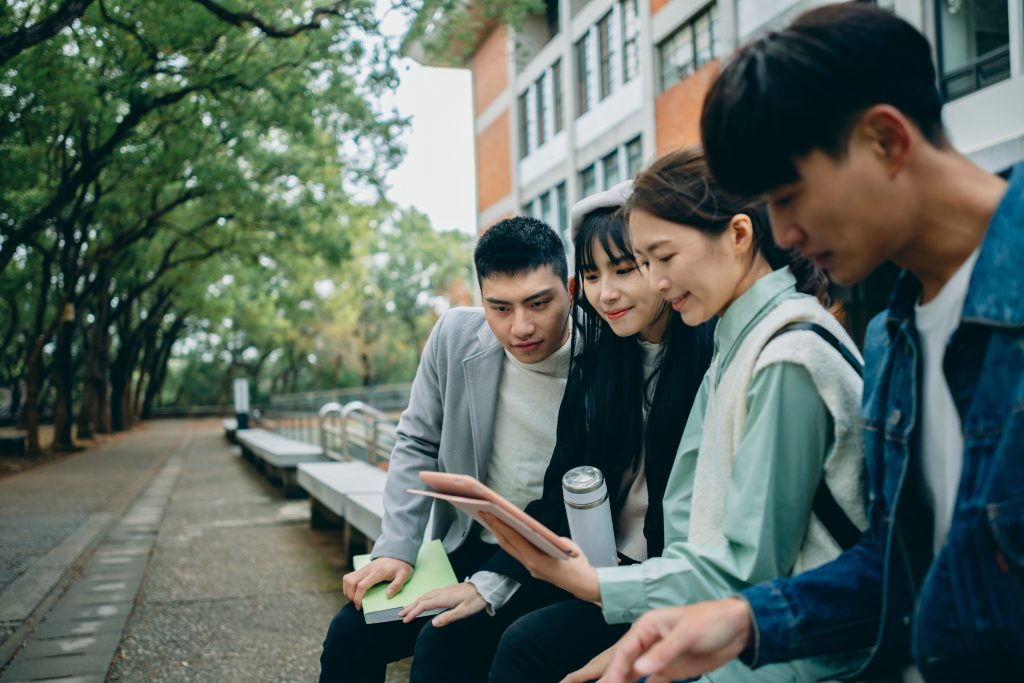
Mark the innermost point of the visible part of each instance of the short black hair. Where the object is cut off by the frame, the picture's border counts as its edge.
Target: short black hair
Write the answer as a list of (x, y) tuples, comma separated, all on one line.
[(803, 88), (519, 245)]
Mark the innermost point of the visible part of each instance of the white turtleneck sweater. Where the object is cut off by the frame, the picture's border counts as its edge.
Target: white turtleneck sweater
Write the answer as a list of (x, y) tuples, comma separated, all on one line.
[(525, 421)]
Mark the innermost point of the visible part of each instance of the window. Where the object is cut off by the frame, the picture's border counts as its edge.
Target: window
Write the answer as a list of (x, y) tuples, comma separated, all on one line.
[(588, 181), (676, 57), (610, 168), (630, 35), (605, 55), (524, 125), (545, 208), (704, 36), (689, 48), (527, 209), (634, 156), (551, 15), (562, 214), (582, 77), (540, 96), (974, 40), (556, 98)]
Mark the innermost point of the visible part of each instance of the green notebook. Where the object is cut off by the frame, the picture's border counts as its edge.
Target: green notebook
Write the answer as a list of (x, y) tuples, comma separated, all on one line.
[(433, 570)]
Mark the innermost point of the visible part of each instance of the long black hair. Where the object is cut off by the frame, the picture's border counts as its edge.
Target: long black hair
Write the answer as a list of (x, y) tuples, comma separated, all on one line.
[(601, 419)]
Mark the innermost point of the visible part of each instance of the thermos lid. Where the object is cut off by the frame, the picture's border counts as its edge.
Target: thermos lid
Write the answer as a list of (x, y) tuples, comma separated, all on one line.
[(583, 479)]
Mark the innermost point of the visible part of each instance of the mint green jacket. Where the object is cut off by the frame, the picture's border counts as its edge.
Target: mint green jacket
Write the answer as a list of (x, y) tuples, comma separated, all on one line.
[(776, 470)]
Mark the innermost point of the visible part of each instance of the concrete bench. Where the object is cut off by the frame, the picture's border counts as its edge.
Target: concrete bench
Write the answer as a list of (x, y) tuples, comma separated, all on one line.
[(278, 457), (347, 493), (230, 430)]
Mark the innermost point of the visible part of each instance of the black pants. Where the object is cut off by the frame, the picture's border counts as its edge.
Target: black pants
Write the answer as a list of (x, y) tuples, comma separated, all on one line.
[(357, 652), (462, 652), (552, 642)]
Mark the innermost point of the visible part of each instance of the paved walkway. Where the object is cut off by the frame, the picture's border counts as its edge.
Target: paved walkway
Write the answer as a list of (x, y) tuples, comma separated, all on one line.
[(162, 557)]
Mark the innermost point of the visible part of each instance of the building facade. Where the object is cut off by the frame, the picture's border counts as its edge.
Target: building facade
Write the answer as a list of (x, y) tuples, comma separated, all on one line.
[(583, 96)]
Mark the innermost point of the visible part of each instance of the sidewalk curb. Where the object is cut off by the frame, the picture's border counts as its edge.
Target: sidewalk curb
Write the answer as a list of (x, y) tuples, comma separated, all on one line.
[(46, 582)]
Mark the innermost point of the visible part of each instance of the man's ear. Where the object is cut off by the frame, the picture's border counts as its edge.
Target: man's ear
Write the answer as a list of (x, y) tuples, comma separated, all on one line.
[(890, 134), (741, 234)]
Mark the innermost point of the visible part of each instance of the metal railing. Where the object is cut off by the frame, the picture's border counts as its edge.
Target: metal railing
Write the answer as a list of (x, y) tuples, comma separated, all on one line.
[(389, 398), (300, 425), (356, 431)]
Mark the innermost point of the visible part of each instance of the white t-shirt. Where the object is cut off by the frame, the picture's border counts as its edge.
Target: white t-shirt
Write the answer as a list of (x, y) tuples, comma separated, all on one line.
[(942, 442), (629, 528)]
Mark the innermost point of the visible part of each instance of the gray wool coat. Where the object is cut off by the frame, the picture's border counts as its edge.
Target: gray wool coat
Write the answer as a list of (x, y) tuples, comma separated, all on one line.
[(448, 427)]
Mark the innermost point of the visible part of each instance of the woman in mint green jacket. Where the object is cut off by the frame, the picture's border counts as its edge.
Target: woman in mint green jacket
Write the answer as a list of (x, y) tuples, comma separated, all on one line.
[(777, 415)]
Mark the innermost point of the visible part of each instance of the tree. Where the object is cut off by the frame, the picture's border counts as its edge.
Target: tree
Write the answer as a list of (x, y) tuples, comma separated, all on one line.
[(179, 182), (178, 118)]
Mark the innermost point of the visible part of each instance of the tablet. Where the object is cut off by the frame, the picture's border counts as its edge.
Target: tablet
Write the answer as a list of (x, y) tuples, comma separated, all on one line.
[(472, 497)]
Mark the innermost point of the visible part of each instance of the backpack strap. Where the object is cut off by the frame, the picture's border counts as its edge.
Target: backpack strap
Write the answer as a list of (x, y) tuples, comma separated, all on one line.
[(826, 509)]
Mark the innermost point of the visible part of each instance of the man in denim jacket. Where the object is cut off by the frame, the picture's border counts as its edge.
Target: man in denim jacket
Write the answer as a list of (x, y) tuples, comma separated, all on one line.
[(837, 120)]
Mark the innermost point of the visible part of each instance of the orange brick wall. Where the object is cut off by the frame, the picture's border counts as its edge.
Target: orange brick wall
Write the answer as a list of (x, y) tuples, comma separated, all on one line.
[(490, 70), (485, 228), (493, 162), (657, 5), (677, 110)]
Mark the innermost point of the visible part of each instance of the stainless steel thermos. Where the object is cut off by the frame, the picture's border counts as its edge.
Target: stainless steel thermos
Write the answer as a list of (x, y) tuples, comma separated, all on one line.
[(590, 514)]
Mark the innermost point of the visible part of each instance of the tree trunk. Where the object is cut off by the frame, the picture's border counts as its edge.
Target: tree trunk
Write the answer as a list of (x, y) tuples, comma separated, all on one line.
[(87, 411), (34, 372), (31, 414), (101, 379), (131, 342), (119, 386), (364, 359), (94, 416), (163, 359), (145, 371), (15, 405), (88, 422), (64, 382)]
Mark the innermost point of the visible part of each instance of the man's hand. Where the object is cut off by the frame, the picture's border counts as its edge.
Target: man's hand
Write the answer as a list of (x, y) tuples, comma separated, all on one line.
[(592, 670), (461, 600), (573, 574), (681, 642), (381, 569)]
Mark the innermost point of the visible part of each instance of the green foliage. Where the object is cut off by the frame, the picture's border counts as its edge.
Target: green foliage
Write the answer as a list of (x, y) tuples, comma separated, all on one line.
[(450, 30), (208, 173), (304, 321)]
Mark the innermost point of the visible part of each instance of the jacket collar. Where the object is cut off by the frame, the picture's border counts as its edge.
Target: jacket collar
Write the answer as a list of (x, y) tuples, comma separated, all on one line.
[(997, 282)]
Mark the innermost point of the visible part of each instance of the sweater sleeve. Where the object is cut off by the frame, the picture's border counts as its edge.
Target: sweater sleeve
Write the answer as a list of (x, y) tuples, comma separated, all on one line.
[(776, 469)]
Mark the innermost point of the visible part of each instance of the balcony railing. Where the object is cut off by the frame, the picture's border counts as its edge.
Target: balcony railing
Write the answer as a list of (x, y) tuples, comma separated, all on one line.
[(987, 69)]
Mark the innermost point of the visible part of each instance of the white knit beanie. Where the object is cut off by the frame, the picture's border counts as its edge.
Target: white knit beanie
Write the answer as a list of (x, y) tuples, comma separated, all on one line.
[(613, 197)]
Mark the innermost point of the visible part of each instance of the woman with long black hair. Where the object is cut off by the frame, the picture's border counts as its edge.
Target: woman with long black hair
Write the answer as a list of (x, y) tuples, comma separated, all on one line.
[(768, 478), (635, 371)]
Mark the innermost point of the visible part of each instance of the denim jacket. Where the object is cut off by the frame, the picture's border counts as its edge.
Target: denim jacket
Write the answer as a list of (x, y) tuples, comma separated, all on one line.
[(959, 614)]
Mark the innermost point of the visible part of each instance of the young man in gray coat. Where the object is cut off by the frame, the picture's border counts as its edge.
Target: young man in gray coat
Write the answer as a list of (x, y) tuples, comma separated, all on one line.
[(484, 403)]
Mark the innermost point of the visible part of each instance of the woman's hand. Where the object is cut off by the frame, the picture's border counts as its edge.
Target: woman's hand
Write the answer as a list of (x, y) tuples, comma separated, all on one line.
[(461, 600), (573, 574), (593, 669)]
